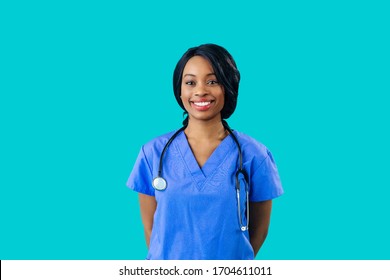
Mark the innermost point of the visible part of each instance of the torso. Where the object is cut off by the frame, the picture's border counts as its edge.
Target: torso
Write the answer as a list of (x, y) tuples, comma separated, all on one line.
[(202, 150), (200, 204)]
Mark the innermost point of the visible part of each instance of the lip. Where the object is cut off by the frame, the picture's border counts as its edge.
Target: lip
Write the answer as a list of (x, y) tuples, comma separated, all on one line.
[(201, 104)]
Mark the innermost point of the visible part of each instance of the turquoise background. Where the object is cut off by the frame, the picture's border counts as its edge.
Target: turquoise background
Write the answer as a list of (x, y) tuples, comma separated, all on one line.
[(84, 84)]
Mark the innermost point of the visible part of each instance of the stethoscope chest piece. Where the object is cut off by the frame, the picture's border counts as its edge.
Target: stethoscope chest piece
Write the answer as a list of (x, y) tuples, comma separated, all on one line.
[(159, 183)]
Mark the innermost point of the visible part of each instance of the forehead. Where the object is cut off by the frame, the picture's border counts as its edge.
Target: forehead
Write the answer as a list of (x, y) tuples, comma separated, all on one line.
[(198, 65)]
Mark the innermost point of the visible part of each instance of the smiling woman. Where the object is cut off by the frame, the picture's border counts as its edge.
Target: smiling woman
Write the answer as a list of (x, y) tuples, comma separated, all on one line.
[(214, 180), (201, 94)]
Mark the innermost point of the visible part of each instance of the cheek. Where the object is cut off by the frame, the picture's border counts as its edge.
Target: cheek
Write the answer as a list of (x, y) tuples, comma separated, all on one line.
[(184, 92), (222, 103), (222, 98), (184, 100), (185, 95)]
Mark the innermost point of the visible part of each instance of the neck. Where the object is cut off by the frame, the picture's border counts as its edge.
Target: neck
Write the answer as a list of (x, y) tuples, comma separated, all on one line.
[(208, 130)]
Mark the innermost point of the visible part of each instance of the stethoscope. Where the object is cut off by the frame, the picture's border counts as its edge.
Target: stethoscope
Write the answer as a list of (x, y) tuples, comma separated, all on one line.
[(160, 184)]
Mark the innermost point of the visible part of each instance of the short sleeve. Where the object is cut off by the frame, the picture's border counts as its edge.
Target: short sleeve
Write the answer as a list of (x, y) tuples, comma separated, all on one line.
[(265, 182), (140, 179)]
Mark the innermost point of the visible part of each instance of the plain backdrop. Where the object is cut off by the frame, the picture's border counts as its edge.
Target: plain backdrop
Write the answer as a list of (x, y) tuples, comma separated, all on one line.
[(83, 84)]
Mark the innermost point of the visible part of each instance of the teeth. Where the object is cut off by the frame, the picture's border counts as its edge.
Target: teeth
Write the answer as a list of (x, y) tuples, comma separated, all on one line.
[(202, 103)]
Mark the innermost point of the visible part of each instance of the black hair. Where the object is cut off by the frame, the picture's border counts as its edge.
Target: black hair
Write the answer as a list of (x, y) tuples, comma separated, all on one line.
[(225, 70)]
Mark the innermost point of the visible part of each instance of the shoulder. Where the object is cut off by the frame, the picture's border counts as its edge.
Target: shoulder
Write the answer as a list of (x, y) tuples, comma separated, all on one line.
[(251, 147), (250, 143), (261, 169), (158, 143)]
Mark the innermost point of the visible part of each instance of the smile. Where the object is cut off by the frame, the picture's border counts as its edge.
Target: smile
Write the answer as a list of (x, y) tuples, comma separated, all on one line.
[(202, 104)]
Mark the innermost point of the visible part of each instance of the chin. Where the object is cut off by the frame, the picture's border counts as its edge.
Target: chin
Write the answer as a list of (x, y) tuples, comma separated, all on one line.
[(205, 118)]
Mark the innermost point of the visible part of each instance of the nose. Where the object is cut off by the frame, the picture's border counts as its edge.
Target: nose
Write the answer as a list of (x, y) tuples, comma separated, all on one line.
[(201, 90)]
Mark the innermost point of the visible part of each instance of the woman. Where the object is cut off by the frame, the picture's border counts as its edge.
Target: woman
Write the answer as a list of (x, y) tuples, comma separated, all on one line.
[(194, 204)]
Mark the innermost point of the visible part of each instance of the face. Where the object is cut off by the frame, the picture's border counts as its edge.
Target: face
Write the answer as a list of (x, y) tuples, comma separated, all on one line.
[(202, 95)]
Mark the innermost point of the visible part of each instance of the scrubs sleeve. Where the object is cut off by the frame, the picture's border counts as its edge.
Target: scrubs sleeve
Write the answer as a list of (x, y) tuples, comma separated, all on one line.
[(140, 179), (265, 182)]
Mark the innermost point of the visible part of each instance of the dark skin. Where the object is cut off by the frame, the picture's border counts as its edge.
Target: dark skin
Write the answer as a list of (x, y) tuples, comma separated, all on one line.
[(148, 206), (203, 98), (259, 218)]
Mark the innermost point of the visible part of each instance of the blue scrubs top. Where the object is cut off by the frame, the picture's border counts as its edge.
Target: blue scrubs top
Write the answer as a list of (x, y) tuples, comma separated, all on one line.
[(196, 215)]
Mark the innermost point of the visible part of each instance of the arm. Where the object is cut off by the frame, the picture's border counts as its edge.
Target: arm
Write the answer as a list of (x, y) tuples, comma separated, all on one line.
[(259, 217), (148, 206)]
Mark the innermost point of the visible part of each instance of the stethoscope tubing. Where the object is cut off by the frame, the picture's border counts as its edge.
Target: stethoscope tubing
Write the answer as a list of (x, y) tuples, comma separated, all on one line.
[(160, 184)]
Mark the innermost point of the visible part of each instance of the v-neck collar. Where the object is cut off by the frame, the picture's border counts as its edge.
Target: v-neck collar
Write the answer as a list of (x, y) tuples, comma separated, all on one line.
[(201, 175)]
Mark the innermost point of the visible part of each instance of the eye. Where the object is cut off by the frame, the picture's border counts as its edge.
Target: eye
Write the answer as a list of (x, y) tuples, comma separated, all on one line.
[(190, 83), (212, 82)]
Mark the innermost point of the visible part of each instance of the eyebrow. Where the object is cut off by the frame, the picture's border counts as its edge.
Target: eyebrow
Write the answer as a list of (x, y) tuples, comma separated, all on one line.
[(210, 74)]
